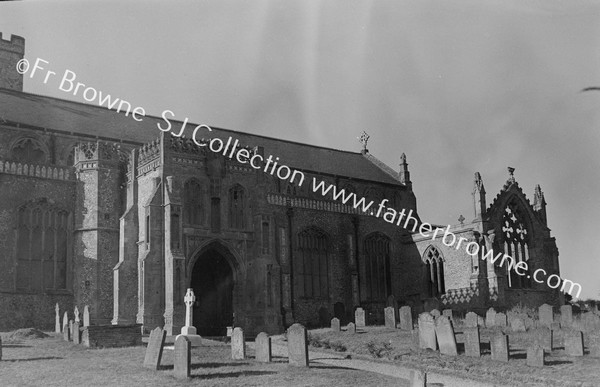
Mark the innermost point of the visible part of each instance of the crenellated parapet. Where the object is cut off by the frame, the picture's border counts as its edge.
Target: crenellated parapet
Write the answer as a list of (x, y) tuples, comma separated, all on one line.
[(149, 156), (96, 154)]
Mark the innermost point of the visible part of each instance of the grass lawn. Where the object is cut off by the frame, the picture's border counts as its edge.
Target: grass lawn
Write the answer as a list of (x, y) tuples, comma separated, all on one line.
[(397, 346), (53, 362)]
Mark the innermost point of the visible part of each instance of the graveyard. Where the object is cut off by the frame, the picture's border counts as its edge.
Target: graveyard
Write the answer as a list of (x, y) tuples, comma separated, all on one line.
[(520, 347)]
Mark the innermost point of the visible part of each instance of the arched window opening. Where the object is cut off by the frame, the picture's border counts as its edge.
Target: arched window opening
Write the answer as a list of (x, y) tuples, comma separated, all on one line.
[(516, 245), (311, 265), (377, 267), (434, 272), (237, 203), (28, 150), (192, 202)]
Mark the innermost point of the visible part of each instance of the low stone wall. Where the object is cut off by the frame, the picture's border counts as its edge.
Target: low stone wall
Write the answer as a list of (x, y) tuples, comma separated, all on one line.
[(108, 336)]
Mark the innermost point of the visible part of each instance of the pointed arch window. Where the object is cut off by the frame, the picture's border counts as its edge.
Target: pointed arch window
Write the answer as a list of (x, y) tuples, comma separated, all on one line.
[(377, 267), (42, 247), (29, 150), (516, 244), (237, 206), (192, 202), (434, 272), (311, 265)]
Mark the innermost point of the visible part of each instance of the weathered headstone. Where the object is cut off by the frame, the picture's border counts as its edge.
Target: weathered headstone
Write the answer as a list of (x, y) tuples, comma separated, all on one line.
[(593, 344), (335, 324), (406, 322), (480, 322), (390, 317), (546, 315), (76, 314), (76, 333), (471, 320), (472, 342), (238, 344), (155, 347), (57, 319), (535, 356), (590, 322), (500, 320), (543, 338), (427, 337), (499, 347), (182, 361), (189, 330), (448, 313), (86, 316), (65, 326), (566, 316), (297, 345), (262, 346), (418, 378), (435, 313), (445, 336), (351, 328), (555, 326), (359, 317), (490, 318), (573, 343), (517, 325), (391, 301), (71, 322)]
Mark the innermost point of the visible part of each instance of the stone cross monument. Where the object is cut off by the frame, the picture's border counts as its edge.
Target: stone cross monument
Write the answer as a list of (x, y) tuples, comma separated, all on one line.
[(189, 330)]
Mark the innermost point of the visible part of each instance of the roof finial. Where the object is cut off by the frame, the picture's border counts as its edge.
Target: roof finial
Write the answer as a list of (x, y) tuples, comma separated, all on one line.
[(511, 176), (364, 139)]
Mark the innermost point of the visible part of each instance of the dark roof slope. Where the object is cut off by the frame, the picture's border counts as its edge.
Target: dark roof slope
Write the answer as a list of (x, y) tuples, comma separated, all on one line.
[(94, 121)]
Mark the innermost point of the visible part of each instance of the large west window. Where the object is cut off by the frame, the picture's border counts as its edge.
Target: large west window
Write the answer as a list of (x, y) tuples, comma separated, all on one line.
[(42, 247), (311, 264)]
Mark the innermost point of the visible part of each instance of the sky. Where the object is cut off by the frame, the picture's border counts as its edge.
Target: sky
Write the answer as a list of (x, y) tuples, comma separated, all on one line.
[(460, 87)]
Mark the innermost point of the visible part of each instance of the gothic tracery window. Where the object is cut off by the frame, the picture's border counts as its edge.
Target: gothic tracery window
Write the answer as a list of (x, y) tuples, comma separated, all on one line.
[(516, 239), (311, 265), (192, 202), (29, 150), (42, 247), (377, 267), (434, 272)]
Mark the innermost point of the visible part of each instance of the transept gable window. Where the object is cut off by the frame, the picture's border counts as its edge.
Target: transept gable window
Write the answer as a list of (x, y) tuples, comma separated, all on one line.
[(434, 272), (377, 267), (237, 207), (311, 264), (516, 243)]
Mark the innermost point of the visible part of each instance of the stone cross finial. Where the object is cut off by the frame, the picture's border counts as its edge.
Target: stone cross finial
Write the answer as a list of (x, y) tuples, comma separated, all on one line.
[(511, 175), (364, 139), (461, 219), (189, 300)]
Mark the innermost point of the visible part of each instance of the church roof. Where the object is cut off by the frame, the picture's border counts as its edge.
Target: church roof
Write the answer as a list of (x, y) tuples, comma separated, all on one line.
[(74, 118)]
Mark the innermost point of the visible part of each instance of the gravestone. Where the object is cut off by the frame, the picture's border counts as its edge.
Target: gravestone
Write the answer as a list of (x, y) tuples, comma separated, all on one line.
[(76, 314), (573, 343), (65, 326), (590, 322), (335, 324), (391, 301), (57, 319), (499, 346), (500, 320), (427, 337), (189, 330), (593, 345), (390, 317), (297, 345), (435, 313), (471, 320), (480, 322), (418, 378), (351, 328), (517, 325), (490, 318), (566, 316), (76, 333), (182, 361), (154, 350), (406, 322), (546, 315), (86, 316), (445, 336), (238, 344), (472, 340), (359, 317), (543, 338), (447, 313), (71, 330), (262, 346), (535, 356)]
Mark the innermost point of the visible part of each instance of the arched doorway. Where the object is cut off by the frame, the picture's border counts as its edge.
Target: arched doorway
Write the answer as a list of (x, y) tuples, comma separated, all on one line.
[(212, 281)]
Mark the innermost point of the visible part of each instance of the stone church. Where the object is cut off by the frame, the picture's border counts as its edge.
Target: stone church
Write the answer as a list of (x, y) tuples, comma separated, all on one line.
[(98, 209)]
